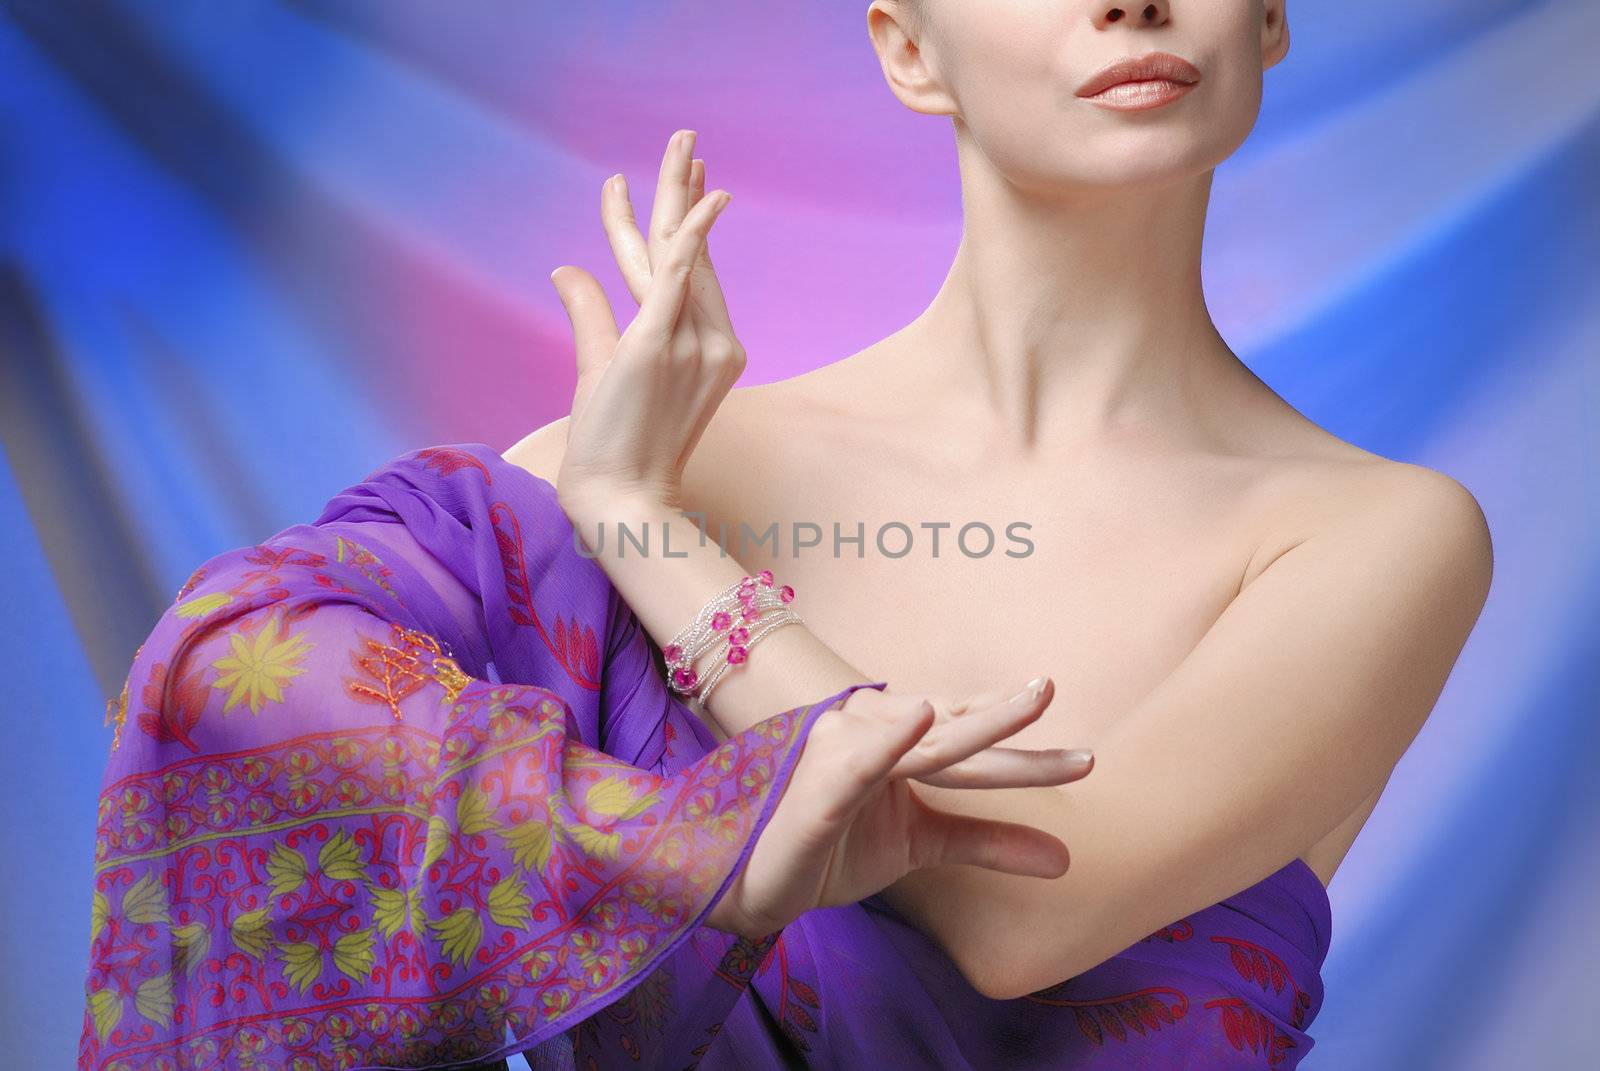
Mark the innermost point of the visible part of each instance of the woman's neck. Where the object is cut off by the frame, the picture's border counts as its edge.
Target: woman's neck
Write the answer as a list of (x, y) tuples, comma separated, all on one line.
[(1066, 317)]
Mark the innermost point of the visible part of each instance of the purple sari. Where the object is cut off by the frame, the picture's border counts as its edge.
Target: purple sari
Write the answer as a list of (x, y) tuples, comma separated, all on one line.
[(404, 787)]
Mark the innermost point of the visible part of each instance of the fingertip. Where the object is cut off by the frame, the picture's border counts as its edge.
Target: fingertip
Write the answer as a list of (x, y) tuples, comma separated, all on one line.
[(1044, 692), (913, 724), (1053, 858)]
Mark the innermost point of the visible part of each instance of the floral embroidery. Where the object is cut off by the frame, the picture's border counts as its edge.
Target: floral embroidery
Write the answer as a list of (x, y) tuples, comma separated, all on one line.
[(116, 714), (447, 673), (1267, 969), (1141, 1010), (395, 670), (1247, 1026), (355, 554), (447, 460), (176, 718), (574, 645), (1181, 930), (117, 706), (259, 669), (389, 892), (201, 605), (613, 797)]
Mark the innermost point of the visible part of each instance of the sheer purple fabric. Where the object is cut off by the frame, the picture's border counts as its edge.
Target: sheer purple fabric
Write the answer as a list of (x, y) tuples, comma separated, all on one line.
[(398, 788), (548, 898)]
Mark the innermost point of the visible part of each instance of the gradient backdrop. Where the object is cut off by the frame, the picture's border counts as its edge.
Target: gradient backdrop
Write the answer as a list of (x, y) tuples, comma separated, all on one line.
[(253, 250)]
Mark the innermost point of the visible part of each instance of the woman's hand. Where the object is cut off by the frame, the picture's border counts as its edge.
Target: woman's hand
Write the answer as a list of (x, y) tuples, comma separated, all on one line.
[(848, 824), (645, 396)]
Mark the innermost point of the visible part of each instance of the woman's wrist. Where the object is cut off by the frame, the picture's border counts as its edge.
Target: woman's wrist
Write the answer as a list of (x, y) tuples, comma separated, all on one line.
[(592, 502), (666, 569)]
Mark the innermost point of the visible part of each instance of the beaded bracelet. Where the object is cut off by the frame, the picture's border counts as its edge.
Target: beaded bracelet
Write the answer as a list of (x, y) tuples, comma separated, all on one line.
[(752, 598), (737, 658)]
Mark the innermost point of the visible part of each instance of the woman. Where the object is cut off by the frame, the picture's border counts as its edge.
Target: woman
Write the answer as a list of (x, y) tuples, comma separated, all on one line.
[(1251, 618), (1216, 712)]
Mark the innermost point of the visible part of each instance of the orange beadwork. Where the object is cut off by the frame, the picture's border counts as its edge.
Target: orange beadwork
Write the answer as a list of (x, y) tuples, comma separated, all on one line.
[(395, 669), (116, 714), (117, 705)]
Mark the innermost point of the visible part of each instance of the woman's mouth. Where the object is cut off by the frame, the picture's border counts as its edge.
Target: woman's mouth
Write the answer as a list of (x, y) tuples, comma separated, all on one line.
[(1133, 96), (1140, 82)]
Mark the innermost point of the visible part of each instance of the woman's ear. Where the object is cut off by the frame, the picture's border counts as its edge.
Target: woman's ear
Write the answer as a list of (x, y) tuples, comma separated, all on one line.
[(898, 35), (1274, 32)]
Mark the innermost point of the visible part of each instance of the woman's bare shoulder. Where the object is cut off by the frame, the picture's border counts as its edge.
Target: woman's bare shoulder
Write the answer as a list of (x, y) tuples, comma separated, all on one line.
[(1313, 483), (540, 451)]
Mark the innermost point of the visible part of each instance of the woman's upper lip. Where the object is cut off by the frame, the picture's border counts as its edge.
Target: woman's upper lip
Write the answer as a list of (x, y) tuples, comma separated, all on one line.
[(1151, 65)]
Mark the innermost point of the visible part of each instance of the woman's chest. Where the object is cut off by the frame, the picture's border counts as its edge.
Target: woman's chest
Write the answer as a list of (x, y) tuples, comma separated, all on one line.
[(952, 584)]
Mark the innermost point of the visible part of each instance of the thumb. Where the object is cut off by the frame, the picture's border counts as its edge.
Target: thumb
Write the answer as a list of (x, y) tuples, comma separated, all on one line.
[(594, 328), (942, 837)]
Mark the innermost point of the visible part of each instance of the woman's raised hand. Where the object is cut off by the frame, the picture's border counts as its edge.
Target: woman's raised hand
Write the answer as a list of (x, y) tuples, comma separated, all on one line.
[(645, 396), (849, 825)]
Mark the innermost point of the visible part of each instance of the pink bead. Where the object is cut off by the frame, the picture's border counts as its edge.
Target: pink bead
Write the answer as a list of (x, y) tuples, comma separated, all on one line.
[(737, 655), (672, 652), (765, 576), (786, 593), (684, 677), (739, 636), (720, 620), (750, 613)]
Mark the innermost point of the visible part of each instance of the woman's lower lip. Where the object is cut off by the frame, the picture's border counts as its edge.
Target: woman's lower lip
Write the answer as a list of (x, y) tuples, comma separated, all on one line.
[(1136, 96)]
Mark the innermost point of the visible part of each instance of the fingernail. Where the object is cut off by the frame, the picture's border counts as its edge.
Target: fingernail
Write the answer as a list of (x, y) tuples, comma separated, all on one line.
[(1030, 691), (1080, 756), (722, 201), (1034, 688)]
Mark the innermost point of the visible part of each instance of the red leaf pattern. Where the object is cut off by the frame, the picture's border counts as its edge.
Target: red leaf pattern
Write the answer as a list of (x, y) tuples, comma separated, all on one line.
[(446, 461), (573, 646), (1247, 1027), (1265, 968)]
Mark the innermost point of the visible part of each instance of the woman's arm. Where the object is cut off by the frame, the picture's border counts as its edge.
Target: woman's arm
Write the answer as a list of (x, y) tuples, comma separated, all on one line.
[(313, 811), (1288, 713), (665, 593), (1291, 710), (643, 398)]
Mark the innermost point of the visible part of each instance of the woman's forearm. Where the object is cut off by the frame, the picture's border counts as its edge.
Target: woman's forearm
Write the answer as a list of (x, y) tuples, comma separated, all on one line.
[(790, 666)]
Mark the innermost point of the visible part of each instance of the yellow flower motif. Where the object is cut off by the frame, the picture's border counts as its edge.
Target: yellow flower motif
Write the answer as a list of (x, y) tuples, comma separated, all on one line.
[(201, 605), (106, 1007), (153, 998), (614, 798), (259, 670)]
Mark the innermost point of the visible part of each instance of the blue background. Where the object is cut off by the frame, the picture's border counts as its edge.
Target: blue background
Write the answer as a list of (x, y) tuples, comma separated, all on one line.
[(250, 251)]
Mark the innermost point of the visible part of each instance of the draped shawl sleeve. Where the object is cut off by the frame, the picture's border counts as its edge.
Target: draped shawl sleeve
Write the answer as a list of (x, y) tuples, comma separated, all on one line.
[(401, 788)]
